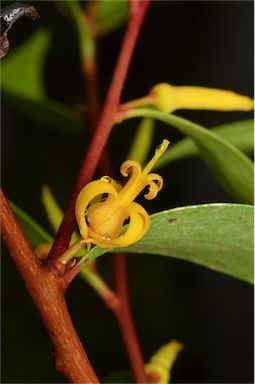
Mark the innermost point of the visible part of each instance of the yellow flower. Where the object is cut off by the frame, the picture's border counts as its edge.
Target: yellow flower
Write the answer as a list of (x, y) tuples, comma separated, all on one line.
[(169, 98), (159, 367), (103, 206)]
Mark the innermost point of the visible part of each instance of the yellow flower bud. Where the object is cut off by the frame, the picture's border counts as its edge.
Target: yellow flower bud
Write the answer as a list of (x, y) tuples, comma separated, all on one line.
[(159, 367), (42, 250), (169, 98)]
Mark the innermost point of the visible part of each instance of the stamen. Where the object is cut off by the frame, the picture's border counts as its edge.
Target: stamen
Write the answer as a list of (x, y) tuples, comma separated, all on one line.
[(160, 150)]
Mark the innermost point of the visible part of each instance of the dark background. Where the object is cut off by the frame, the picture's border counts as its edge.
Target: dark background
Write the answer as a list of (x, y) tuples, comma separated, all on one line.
[(196, 43)]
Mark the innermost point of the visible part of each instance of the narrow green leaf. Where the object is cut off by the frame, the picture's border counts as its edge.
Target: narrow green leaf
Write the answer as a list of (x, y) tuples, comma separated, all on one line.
[(52, 209), (142, 141), (21, 71), (217, 236), (86, 41), (109, 15), (33, 232), (239, 133), (55, 214), (47, 113), (230, 167)]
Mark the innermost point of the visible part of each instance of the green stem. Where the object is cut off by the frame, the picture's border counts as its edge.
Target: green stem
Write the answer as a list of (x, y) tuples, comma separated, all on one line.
[(141, 102), (102, 289), (70, 253), (86, 40)]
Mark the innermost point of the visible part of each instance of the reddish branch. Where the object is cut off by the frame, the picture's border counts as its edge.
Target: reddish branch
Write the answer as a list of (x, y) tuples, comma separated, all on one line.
[(46, 289), (44, 284), (117, 301), (90, 76), (125, 320), (105, 123)]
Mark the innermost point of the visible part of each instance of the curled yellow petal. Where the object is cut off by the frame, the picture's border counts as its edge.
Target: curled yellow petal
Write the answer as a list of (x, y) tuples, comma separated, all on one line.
[(104, 206), (86, 195), (139, 221), (155, 183), (140, 179), (133, 169), (169, 98), (159, 367)]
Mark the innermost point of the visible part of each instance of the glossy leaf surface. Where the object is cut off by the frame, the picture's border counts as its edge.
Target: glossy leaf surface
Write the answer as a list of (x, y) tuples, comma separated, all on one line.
[(240, 134), (217, 236), (231, 168)]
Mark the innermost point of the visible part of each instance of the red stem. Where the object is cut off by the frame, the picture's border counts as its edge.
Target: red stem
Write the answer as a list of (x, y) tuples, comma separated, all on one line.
[(45, 287), (117, 301), (125, 320), (104, 126), (90, 75)]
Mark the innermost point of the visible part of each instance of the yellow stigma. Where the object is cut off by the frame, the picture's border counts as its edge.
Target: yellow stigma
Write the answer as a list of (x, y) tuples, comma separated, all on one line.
[(169, 98), (103, 206)]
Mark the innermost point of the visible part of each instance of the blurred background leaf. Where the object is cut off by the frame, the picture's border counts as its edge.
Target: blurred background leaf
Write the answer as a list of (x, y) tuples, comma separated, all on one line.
[(48, 114), (33, 231), (142, 141), (23, 86), (239, 133), (86, 42), (230, 167), (107, 15), (22, 70), (119, 377)]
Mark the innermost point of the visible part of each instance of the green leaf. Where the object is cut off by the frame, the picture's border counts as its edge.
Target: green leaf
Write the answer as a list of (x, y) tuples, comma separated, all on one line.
[(217, 236), (109, 15), (52, 209), (119, 377), (86, 40), (55, 214), (142, 141), (230, 167), (239, 133), (22, 85), (47, 113), (23, 68), (33, 232)]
